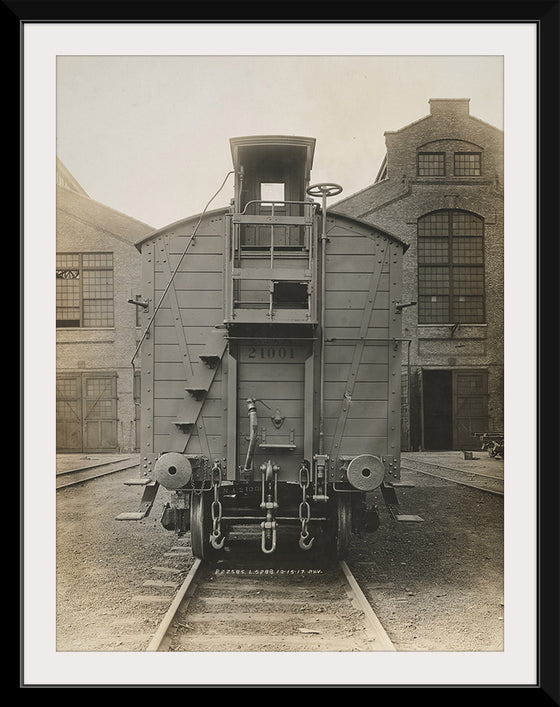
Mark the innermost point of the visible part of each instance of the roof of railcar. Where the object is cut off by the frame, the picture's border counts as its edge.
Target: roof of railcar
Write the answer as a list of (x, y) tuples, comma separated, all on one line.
[(370, 227), (182, 221), (224, 210)]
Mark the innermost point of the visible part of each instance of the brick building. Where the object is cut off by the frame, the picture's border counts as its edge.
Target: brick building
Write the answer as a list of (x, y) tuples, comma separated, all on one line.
[(440, 189), (97, 273)]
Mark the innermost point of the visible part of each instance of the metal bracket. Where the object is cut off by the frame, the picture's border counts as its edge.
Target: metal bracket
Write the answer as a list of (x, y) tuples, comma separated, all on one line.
[(278, 419), (139, 303), (401, 305), (392, 502), (146, 503)]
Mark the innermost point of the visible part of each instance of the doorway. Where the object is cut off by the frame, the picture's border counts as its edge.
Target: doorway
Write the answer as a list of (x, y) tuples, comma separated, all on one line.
[(438, 410), (454, 408)]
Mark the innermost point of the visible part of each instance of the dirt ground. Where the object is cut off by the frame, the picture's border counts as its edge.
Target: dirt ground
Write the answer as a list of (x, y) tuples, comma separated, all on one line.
[(436, 584)]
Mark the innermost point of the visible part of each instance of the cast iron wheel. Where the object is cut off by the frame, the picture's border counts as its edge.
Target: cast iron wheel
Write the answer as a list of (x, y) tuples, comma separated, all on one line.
[(201, 525), (341, 525)]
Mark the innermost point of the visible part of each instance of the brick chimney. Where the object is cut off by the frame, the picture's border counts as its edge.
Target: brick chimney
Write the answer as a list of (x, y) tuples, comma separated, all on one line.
[(449, 106)]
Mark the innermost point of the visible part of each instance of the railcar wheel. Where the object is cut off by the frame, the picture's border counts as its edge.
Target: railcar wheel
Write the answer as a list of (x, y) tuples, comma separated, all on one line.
[(341, 525), (201, 525)]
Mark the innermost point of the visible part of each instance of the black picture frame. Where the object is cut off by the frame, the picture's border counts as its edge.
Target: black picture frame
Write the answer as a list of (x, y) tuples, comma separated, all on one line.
[(546, 18)]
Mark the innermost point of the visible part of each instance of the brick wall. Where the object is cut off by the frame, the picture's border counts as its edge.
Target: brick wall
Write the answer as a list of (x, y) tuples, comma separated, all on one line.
[(85, 226), (397, 202)]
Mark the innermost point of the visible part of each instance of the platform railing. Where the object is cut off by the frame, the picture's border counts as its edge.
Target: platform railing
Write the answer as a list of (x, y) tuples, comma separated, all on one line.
[(280, 256)]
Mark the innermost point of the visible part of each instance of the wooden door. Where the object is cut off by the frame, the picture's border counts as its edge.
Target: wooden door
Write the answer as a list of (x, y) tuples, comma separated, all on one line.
[(100, 412), (274, 373), (86, 412), (470, 407), (69, 413)]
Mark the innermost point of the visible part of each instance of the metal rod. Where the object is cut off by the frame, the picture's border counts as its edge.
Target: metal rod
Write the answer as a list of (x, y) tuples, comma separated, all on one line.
[(256, 337), (233, 520), (364, 339), (272, 242), (322, 354), (254, 424)]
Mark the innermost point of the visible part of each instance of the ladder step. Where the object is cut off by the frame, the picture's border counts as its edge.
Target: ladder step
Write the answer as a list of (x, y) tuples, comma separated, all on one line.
[(214, 348), (197, 393), (188, 414), (277, 446), (201, 381), (211, 360)]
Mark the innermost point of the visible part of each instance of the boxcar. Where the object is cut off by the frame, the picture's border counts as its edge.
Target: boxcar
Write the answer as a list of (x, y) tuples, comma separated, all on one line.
[(270, 361)]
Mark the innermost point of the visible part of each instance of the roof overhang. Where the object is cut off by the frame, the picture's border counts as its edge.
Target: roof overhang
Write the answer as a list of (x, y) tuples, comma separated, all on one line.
[(238, 144)]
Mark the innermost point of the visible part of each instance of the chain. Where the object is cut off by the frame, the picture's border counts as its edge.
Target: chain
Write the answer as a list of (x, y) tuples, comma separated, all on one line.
[(216, 509), (304, 510)]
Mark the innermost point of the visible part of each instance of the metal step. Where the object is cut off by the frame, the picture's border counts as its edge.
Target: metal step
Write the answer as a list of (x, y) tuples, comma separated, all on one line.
[(138, 515)]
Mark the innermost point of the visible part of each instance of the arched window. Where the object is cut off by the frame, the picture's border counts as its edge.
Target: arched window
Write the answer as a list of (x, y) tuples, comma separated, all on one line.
[(451, 268)]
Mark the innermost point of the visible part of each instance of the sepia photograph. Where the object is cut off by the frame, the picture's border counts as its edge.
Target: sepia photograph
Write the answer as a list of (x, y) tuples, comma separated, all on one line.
[(281, 419)]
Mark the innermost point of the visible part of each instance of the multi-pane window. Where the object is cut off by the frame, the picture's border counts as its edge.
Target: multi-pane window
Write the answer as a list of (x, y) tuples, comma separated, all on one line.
[(451, 268), (84, 290), (431, 164), (467, 164)]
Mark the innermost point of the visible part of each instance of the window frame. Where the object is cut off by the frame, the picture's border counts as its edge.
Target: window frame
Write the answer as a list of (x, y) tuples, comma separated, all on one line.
[(431, 154), (107, 317), (463, 153), (451, 283)]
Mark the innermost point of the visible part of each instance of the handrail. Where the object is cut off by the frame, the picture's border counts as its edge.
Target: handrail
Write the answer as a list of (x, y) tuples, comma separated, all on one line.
[(306, 202)]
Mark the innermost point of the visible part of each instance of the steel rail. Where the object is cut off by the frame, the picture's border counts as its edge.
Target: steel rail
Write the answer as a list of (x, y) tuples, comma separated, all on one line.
[(91, 467), (459, 481), (91, 476), (159, 635), (372, 621)]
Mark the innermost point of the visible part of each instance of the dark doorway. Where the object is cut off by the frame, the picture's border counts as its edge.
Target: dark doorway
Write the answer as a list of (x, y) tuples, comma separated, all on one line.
[(438, 410)]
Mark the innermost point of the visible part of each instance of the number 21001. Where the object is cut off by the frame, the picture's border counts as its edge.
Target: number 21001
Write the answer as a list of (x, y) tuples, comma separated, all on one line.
[(280, 352)]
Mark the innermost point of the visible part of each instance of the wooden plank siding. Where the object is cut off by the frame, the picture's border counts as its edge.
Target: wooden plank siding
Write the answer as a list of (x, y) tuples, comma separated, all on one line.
[(357, 259), (355, 264), (191, 309)]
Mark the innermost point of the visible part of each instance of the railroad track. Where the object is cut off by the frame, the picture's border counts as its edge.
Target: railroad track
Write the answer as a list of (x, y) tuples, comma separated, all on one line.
[(246, 602), (465, 477), (71, 477)]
